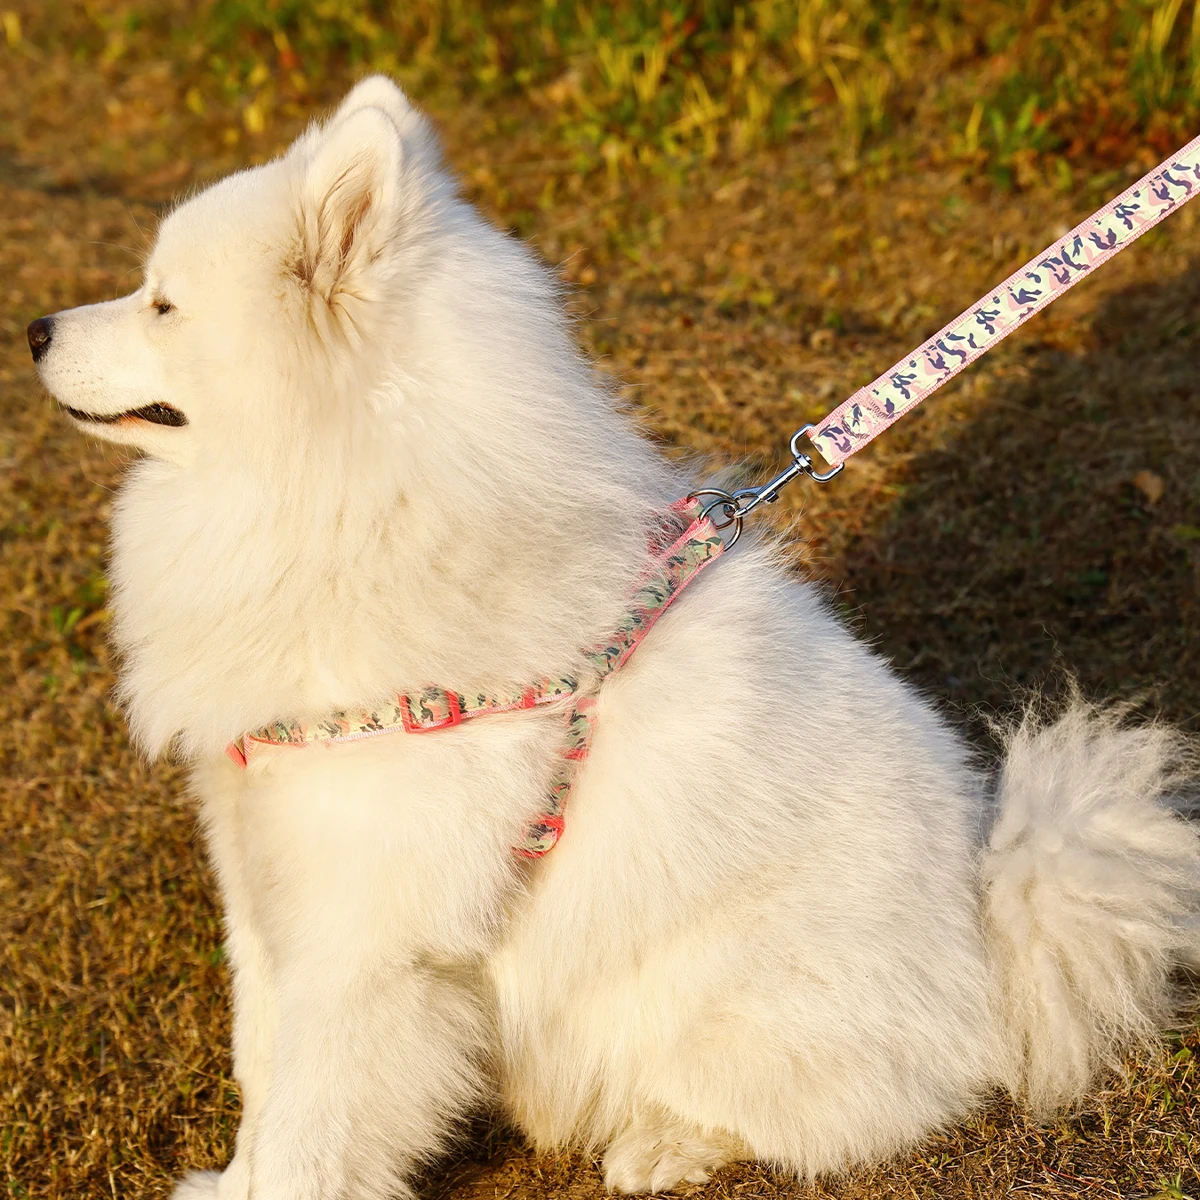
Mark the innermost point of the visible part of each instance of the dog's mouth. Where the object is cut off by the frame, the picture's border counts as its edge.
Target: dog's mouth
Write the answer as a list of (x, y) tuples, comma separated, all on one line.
[(156, 414)]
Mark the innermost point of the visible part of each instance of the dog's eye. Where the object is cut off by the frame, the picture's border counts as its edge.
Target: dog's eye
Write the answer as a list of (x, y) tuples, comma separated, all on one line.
[(162, 307)]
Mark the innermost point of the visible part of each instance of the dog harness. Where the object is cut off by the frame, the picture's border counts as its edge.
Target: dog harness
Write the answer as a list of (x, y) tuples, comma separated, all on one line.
[(689, 537), (684, 543)]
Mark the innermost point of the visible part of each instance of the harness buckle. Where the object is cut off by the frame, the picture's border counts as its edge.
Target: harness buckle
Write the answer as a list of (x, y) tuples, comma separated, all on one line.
[(734, 507)]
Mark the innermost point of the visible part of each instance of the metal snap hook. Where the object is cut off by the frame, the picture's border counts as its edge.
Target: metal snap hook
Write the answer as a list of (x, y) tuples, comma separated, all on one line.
[(735, 506), (797, 453)]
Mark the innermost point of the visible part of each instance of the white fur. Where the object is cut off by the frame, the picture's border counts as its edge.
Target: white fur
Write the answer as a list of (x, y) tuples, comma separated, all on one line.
[(397, 469), (1090, 896)]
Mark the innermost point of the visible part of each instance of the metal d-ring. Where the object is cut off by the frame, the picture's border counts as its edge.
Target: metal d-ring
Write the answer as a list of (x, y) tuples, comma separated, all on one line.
[(729, 507)]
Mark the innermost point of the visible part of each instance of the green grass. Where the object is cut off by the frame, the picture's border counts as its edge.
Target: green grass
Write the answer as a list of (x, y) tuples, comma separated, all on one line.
[(1023, 90)]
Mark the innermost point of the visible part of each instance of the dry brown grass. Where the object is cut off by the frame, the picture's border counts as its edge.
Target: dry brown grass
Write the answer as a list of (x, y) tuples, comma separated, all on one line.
[(994, 539)]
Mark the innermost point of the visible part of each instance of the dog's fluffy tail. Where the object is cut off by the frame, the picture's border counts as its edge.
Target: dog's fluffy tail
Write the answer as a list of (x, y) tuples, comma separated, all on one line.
[(1091, 887)]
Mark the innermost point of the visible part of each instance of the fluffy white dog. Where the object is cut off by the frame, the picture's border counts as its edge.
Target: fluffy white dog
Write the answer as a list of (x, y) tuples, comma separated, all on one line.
[(373, 458)]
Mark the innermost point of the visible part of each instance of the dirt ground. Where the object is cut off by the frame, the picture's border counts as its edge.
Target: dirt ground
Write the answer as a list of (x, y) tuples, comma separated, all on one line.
[(1039, 517)]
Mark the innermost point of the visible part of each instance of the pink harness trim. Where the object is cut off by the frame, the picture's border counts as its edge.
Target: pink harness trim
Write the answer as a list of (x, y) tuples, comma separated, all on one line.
[(684, 544)]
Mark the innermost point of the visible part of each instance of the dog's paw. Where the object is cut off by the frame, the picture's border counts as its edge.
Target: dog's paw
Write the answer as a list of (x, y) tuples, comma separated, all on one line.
[(197, 1185), (233, 1183), (658, 1158)]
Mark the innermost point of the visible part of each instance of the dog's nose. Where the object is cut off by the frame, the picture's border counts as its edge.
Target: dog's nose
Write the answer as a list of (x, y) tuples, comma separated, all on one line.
[(39, 334)]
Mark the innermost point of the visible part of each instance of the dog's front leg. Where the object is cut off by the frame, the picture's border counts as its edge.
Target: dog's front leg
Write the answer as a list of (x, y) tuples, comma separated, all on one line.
[(372, 1061), (371, 930), (254, 1008), (366, 935), (254, 1021)]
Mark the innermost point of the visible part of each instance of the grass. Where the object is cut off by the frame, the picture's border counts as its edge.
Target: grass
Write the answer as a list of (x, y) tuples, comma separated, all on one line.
[(1041, 513), (1024, 91)]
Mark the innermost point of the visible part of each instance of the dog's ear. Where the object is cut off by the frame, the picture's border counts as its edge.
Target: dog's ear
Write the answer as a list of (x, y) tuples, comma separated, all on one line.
[(377, 91), (348, 202)]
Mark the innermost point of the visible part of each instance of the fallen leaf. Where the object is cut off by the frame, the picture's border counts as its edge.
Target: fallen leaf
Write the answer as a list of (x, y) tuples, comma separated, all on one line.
[(1150, 485)]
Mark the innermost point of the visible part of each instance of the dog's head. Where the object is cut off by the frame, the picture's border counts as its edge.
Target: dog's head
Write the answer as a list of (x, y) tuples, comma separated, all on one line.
[(260, 294), (351, 392)]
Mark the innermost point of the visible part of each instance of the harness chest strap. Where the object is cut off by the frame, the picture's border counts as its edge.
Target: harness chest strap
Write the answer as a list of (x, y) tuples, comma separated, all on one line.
[(685, 543)]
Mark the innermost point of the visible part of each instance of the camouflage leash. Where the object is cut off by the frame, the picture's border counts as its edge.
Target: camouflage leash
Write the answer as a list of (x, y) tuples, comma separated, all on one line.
[(878, 405)]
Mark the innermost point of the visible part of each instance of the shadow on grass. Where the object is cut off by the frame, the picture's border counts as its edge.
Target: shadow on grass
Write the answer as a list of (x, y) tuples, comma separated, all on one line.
[(1057, 529)]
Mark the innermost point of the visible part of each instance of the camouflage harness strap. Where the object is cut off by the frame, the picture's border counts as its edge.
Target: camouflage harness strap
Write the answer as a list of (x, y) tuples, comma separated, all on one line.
[(685, 543)]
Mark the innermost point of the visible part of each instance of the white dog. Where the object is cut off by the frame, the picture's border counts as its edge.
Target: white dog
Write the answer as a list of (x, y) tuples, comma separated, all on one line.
[(373, 459)]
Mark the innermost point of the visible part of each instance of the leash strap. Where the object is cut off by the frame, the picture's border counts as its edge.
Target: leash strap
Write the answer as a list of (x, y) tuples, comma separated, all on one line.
[(878, 405)]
